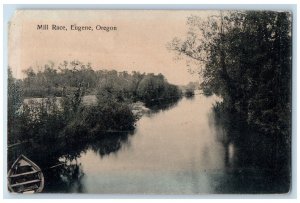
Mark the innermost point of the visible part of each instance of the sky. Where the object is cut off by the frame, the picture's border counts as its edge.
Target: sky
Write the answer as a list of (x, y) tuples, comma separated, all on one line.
[(138, 44)]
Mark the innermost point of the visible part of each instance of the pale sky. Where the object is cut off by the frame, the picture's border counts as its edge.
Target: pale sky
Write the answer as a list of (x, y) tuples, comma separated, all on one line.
[(138, 44)]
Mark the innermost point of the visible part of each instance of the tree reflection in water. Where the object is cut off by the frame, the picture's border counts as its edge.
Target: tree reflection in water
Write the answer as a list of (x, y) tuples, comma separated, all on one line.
[(162, 105), (58, 160), (68, 176), (111, 143), (65, 178), (250, 157), (57, 157)]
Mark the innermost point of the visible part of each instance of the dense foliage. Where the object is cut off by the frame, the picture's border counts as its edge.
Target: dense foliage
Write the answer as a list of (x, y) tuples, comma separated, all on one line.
[(53, 81), (59, 115), (245, 58), (189, 89), (14, 101)]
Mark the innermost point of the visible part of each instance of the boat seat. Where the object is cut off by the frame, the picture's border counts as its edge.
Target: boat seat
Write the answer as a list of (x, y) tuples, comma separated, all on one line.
[(25, 183), (22, 174)]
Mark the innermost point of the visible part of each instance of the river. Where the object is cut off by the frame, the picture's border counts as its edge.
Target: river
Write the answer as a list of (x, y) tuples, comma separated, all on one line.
[(175, 150)]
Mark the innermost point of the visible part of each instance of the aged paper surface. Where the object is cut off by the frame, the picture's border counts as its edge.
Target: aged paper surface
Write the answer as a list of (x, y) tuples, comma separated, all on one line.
[(149, 102)]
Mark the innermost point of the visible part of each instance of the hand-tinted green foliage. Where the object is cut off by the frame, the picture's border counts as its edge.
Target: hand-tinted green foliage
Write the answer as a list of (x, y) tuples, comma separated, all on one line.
[(245, 57)]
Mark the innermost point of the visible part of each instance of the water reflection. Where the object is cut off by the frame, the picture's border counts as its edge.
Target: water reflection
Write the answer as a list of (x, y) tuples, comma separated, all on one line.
[(110, 144), (172, 151), (65, 178), (62, 171), (162, 105), (177, 148), (251, 160)]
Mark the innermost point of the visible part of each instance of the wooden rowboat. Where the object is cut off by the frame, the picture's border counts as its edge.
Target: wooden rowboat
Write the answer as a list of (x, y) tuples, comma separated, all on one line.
[(25, 176)]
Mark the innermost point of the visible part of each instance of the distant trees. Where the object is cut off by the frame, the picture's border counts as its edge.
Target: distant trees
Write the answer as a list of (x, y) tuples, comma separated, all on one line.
[(47, 126), (153, 88), (60, 113), (51, 80), (189, 89), (106, 84)]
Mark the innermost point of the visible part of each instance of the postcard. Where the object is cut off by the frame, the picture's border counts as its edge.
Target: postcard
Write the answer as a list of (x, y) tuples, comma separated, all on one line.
[(153, 102)]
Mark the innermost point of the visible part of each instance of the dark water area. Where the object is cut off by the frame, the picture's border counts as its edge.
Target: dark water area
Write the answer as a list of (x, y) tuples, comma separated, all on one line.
[(157, 106), (176, 148)]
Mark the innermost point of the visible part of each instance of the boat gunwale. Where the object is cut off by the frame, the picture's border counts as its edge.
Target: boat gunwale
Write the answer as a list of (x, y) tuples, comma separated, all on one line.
[(36, 167)]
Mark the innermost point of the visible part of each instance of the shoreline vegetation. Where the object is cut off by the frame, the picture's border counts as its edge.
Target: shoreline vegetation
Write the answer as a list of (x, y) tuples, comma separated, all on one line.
[(75, 102), (245, 58)]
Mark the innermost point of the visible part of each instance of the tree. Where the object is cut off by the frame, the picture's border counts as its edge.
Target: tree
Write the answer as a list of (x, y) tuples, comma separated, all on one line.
[(14, 103), (242, 56), (245, 57)]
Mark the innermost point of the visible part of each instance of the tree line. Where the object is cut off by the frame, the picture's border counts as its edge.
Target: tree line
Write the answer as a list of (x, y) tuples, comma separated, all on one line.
[(53, 80), (58, 115), (245, 58)]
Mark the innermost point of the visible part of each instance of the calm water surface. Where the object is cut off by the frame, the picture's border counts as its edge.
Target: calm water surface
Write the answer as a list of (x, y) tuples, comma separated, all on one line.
[(177, 150)]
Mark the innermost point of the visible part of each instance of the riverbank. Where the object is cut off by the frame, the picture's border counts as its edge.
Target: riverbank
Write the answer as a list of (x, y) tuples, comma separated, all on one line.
[(138, 108), (176, 150)]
